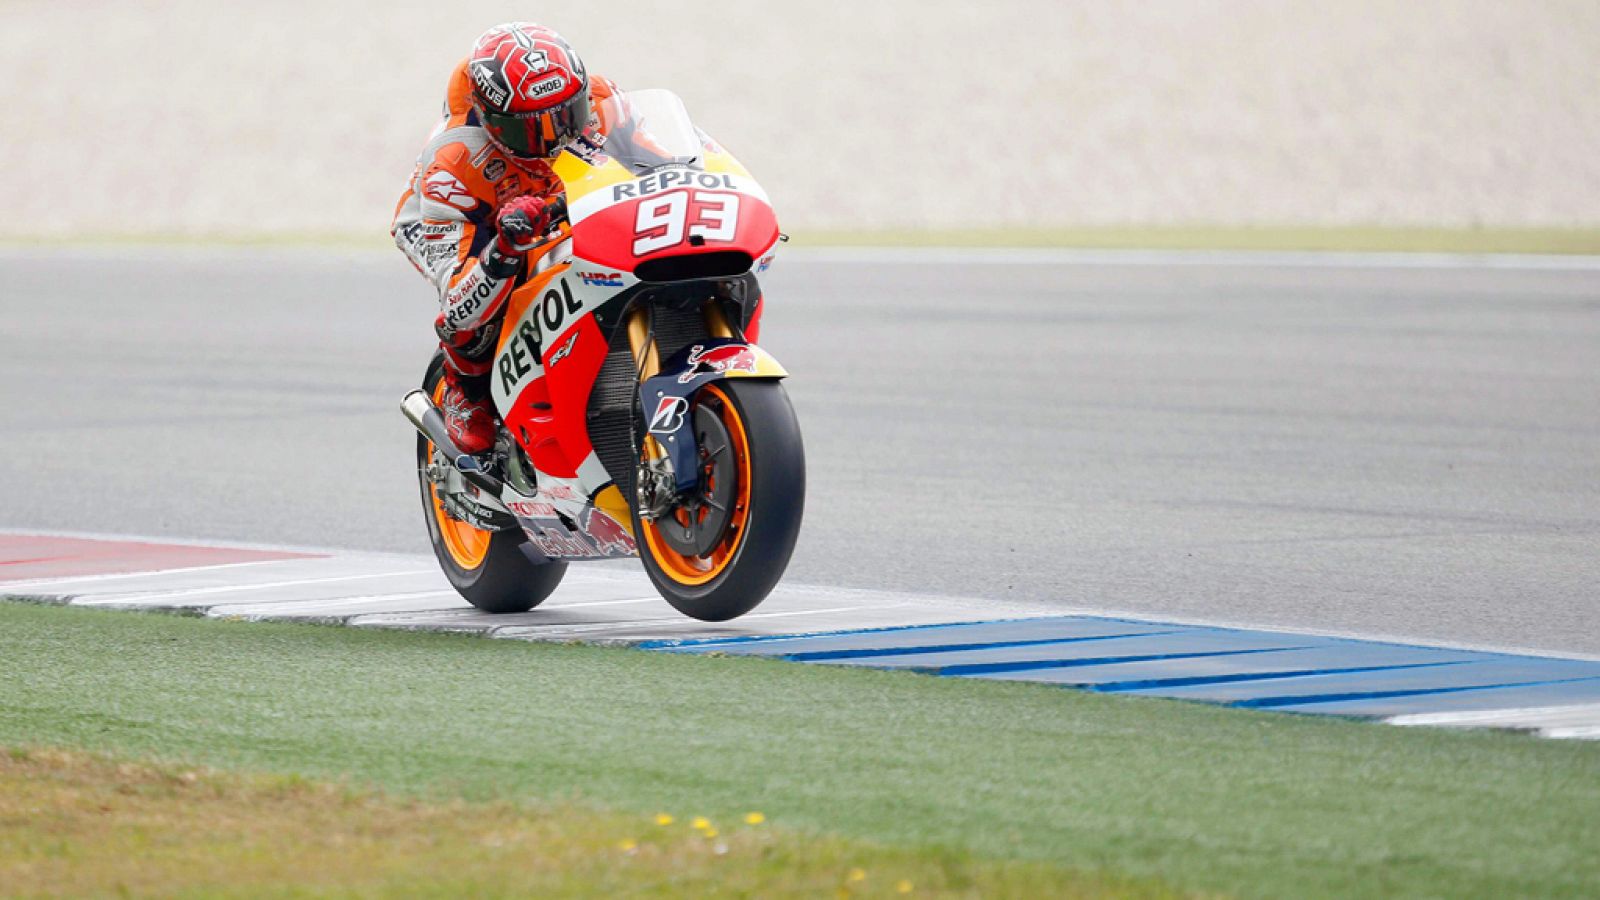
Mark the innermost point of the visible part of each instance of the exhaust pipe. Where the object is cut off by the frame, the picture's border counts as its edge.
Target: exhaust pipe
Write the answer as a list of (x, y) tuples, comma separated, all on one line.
[(420, 411)]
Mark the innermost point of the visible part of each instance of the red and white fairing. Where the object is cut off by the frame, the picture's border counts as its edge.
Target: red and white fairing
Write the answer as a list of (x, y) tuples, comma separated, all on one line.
[(654, 189)]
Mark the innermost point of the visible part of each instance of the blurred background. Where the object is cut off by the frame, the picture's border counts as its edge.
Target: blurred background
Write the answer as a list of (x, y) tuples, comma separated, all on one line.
[(198, 118), (1369, 444)]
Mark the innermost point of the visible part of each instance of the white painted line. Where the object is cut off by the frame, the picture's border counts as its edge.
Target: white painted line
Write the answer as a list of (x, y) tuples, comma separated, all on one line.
[(536, 631), (187, 542), (1578, 715), (1266, 259), (142, 599), (298, 608), (85, 579), (1584, 733), (584, 604)]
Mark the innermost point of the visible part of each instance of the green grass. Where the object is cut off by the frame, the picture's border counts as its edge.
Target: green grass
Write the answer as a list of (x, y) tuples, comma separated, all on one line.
[(1191, 237), (1199, 797), (79, 825)]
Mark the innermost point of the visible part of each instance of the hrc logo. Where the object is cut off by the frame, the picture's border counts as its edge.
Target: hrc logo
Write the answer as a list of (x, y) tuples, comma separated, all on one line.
[(601, 279)]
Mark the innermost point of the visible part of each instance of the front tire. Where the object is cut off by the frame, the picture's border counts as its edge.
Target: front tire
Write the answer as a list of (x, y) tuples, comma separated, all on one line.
[(488, 568), (761, 480)]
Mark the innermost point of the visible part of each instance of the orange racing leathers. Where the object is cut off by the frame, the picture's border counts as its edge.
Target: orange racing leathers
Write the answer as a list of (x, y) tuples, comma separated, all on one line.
[(445, 221)]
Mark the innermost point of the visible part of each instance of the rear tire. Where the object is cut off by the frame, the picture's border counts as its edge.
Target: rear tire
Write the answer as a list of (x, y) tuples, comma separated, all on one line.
[(754, 549), (489, 569)]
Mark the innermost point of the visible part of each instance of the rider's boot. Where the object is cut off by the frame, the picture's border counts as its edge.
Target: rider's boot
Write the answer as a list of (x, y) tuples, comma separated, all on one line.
[(468, 413)]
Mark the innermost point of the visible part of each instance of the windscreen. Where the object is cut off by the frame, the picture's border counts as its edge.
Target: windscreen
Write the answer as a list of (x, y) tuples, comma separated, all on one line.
[(649, 128)]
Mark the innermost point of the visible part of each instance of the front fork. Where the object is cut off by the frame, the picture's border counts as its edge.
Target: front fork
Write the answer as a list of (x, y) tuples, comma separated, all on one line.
[(646, 359), (665, 473)]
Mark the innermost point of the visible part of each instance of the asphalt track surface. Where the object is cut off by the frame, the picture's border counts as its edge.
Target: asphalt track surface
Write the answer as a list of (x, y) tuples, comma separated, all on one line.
[(1408, 451)]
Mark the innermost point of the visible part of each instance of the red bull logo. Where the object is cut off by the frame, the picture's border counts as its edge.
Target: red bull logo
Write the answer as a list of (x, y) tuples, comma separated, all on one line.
[(609, 537), (723, 359)]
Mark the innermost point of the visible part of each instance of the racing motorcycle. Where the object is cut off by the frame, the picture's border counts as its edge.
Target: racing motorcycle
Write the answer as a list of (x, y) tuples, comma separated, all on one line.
[(638, 415)]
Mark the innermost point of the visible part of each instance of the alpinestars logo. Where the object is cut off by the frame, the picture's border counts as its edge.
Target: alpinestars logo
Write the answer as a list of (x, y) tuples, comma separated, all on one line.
[(442, 187)]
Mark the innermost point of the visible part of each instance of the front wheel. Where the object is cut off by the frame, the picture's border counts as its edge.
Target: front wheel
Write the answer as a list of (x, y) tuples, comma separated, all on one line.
[(719, 553), (488, 568)]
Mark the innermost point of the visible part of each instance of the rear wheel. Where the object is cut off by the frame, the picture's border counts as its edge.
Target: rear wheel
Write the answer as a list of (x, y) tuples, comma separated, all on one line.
[(723, 550), (488, 568)]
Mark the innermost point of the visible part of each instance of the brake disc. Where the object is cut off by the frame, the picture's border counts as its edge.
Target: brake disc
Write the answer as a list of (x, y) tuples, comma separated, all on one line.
[(696, 526)]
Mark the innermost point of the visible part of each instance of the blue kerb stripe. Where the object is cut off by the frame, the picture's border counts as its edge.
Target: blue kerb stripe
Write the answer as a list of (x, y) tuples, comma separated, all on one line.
[(673, 643), (1118, 686), (865, 652), (696, 643), (1032, 665), (1271, 702)]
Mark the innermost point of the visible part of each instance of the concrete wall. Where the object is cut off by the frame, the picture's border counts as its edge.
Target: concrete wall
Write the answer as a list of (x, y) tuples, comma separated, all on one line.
[(198, 117)]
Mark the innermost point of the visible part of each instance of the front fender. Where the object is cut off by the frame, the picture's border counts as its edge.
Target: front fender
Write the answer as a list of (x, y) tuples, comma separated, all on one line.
[(665, 398)]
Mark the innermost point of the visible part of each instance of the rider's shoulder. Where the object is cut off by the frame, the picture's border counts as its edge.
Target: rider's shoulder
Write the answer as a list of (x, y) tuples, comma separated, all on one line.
[(458, 95), (601, 88), (455, 174)]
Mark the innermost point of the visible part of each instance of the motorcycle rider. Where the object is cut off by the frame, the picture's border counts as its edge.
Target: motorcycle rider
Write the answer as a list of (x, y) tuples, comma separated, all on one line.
[(480, 197)]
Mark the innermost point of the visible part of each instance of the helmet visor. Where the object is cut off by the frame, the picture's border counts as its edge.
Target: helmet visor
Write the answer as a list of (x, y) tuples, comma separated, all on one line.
[(539, 135)]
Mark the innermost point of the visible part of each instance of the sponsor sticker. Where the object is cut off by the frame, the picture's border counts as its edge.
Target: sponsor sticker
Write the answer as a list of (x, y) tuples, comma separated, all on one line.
[(435, 253), (587, 147), (469, 298), (555, 544), (601, 279), (609, 537), (508, 187), (726, 358), (433, 242), (545, 87), (528, 509), (669, 415), (561, 351), (491, 86), (561, 492), (495, 169), (546, 319), (672, 178)]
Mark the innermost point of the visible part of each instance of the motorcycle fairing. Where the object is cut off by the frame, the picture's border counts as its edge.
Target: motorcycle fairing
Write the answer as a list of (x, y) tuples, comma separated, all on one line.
[(675, 190), (549, 355), (561, 523), (560, 324), (666, 397)]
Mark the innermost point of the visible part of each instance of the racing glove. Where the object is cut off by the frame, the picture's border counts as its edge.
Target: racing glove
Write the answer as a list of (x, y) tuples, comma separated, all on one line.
[(520, 225)]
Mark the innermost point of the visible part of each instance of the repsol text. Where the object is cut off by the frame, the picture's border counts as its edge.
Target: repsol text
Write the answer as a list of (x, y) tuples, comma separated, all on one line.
[(671, 178)]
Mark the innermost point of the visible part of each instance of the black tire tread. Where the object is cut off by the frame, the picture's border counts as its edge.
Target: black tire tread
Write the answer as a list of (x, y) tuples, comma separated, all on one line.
[(777, 504), (507, 581)]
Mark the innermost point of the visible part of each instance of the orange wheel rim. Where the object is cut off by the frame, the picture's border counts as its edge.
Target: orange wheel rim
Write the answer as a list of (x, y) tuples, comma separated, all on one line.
[(467, 546), (694, 570)]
